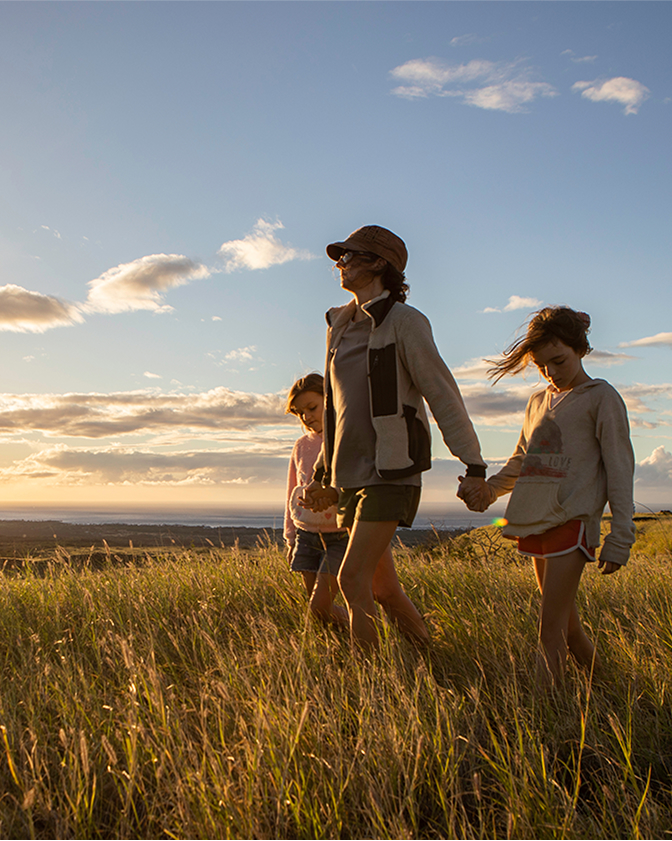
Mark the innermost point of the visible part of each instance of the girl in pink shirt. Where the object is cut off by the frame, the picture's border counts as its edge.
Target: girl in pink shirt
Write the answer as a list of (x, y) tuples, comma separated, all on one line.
[(315, 544)]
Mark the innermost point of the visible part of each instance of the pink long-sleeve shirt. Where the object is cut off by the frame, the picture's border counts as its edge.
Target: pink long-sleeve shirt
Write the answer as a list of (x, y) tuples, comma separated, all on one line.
[(299, 475)]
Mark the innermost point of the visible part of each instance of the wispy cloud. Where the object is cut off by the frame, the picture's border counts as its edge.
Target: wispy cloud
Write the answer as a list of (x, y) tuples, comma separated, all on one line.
[(636, 395), (516, 302), (627, 92), (472, 369), (467, 40), (495, 86), (98, 416), (498, 406), (141, 284), (234, 360), (151, 376), (22, 311), (586, 59), (260, 249), (660, 340), (51, 231), (241, 354), (605, 359)]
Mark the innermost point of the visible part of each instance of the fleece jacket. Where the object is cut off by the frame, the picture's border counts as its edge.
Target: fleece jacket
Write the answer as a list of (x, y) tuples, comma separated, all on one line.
[(404, 365)]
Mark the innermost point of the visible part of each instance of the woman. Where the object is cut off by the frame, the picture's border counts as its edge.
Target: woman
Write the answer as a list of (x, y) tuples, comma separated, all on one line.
[(381, 362)]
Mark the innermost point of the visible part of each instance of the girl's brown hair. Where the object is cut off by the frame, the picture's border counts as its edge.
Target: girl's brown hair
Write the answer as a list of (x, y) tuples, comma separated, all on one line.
[(311, 382), (546, 325)]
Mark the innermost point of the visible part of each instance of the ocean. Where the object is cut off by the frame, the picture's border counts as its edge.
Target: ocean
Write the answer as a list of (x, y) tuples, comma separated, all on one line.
[(268, 517)]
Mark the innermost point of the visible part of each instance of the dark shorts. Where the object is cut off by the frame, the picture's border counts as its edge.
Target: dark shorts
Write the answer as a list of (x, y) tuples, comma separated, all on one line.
[(560, 540), (316, 552), (378, 504)]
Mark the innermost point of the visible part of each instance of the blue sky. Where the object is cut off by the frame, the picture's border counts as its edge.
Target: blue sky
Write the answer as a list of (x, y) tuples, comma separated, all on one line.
[(171, 173)]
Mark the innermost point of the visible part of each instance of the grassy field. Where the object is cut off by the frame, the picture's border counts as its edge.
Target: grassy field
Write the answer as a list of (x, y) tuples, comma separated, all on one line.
[(183, 695)]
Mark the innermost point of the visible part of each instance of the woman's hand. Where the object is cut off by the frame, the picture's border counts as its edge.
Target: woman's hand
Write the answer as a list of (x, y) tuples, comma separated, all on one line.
[(318, 498), (475, 493)]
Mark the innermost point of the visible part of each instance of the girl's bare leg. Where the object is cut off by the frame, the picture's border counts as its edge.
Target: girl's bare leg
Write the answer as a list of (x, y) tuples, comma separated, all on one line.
[(388, 592), (558, 579), (309, 579), (367, 543), (322, 600)]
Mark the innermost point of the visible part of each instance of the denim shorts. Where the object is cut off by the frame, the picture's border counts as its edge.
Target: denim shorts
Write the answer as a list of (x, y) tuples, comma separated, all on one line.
[(319, 552), (378, 503)]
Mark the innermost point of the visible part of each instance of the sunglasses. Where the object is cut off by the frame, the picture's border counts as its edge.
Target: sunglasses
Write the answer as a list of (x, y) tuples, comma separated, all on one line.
[(347, 256)]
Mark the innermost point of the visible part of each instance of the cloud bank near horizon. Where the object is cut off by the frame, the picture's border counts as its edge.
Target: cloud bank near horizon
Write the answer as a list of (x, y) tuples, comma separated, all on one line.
[(97, 416)]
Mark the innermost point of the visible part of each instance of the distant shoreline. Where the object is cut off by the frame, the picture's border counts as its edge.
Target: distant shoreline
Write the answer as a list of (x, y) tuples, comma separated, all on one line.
[(17, 537)]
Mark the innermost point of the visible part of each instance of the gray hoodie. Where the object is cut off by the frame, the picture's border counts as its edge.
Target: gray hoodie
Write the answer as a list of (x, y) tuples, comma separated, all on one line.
[(569, 462)]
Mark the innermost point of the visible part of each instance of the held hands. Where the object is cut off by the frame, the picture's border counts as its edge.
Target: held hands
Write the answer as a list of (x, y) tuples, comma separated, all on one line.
[(318, 498), (475, 493)]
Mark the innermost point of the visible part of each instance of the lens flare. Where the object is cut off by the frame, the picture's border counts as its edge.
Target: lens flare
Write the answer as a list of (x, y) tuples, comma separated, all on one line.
[(500, 522)]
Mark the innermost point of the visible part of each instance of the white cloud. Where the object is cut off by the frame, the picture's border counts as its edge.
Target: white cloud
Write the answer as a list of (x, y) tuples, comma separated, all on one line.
[(620, 89), (151, 376), (655, 471), (22, 311), (516, 302), (141, 284), (494, 86), (260, 249), (660, 339)]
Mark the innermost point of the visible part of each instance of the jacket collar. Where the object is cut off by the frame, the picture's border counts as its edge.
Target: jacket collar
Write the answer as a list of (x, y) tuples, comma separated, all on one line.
[(377, 310)]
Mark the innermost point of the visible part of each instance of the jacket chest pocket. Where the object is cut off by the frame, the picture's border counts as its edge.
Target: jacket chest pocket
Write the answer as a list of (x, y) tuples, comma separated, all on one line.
[(383, 380)]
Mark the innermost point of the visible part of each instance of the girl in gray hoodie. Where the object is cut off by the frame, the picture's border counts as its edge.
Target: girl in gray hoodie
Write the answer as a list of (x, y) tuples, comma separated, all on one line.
[(574, 455)]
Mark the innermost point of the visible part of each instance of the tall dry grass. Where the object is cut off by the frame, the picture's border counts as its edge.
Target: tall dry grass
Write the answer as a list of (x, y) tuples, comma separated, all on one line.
[(186, 696)]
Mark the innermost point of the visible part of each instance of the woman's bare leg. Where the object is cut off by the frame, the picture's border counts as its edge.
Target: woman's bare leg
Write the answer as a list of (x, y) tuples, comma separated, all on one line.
[(322, 600), (388, 592), (367, 543)]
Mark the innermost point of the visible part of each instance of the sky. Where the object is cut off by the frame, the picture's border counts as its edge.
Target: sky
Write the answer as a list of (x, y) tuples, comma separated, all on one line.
[(170, 174)]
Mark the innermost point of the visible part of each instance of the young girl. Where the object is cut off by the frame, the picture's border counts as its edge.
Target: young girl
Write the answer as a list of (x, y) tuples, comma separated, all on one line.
[(574, 455), (315, 543)]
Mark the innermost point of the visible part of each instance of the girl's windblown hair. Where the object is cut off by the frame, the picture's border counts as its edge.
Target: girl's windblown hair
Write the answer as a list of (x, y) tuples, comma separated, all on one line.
[(545, 326)]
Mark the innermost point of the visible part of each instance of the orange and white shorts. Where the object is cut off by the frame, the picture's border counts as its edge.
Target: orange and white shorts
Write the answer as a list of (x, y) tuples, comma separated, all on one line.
[(560, 540)]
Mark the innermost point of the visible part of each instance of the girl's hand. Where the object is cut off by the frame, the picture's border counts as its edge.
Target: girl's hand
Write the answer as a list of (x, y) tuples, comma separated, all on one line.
[(609, 567), (318, 498), (475, 493)]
